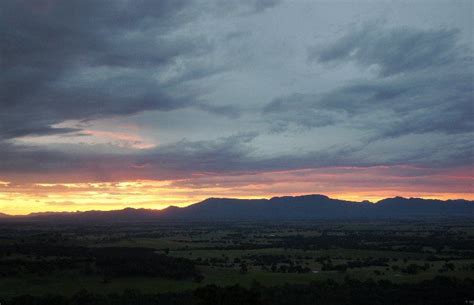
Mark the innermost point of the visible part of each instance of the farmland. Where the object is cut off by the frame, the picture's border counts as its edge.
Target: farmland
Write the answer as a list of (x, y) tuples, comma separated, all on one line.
[(40, 259)]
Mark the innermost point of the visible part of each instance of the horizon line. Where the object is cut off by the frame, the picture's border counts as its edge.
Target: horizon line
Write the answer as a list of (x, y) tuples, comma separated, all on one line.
[(259, 198)]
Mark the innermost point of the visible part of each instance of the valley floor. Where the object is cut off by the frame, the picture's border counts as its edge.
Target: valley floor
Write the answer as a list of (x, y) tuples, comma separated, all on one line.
[(40, 259)]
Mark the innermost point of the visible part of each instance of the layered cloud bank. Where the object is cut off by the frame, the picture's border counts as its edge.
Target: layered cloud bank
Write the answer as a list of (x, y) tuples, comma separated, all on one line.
[(150, 103)]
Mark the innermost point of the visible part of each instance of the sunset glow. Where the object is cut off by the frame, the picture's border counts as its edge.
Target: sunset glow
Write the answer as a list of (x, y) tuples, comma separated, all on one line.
[(116, 104), (353, 184)]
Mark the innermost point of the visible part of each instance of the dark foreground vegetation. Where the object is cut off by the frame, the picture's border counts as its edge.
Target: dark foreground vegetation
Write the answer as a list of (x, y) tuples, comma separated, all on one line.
[(440, 290), (324, 262)]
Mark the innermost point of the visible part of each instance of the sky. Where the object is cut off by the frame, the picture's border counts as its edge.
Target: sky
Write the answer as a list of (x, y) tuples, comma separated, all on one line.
[(142, 103)]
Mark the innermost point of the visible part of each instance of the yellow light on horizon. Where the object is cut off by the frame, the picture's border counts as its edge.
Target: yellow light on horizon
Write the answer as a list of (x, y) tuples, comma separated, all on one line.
[(17, 198)]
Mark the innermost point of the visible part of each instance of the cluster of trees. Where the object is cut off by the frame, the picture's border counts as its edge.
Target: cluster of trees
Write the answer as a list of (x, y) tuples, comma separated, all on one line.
[(328, 265), (215, 261), (267, 259), (42, 250), (368, 262), (411, 268), (441, 290), (12, 267), (389, 240), (289, 269), (277, 263), (106, 261), (143, 262)]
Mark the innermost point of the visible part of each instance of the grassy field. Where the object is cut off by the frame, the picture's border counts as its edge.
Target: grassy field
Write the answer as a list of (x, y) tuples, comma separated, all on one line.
[(246, 253)]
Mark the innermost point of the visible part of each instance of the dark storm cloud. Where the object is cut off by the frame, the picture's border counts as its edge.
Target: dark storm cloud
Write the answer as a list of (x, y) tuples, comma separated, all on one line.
[(179, 159), (25, 159), (232, 154), (226, 155), (424, 85), (87, 59), (220, 155)]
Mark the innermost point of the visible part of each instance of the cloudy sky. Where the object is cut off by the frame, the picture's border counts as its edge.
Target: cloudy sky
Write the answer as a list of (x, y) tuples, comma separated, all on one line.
[(143, 103)]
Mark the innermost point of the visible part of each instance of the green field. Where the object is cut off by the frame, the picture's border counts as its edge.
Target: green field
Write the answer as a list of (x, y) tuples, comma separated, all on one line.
[(235, 253)]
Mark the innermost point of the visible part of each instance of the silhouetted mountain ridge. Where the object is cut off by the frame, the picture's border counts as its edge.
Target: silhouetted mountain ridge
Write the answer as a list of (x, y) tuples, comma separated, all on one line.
[(307, 207)]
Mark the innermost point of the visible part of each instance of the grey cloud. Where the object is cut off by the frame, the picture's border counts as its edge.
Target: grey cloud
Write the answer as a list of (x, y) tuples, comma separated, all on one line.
[(179, 159), (420, 103), (298, 110), (261, 5), (227, 155), (229, 111), (394, 50), (220, 155), (65, 60), (433, 95), (232, 154), (86, 60), (244, 6)]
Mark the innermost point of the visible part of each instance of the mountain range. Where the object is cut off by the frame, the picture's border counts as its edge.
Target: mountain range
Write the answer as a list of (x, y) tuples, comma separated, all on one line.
[(307, 207)]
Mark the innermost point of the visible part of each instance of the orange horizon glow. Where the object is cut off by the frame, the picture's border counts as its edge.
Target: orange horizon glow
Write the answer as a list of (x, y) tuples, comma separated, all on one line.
[(345, 183), (75, 206)]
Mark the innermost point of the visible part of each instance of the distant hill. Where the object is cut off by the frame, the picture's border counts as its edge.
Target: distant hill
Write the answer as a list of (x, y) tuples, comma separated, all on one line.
[(127, 214), (309, 207), (321, 207)]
